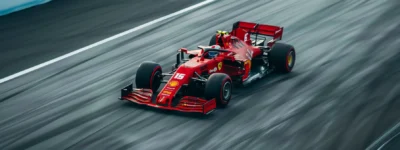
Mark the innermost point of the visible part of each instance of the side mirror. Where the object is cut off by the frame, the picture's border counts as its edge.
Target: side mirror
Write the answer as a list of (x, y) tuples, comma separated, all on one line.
[(185, 50), (202, 47)]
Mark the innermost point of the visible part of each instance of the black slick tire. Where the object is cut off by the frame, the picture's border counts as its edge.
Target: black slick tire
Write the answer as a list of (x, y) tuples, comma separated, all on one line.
[(148, 76), (219, 86), (283, 57), (213, 40)]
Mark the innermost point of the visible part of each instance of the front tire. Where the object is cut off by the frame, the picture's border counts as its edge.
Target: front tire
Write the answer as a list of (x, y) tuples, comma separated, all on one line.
[(219, 86), (283, 57), (149, 76)]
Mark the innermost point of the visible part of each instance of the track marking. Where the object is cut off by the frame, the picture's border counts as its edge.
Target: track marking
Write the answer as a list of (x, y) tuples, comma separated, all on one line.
[(13, 76), (385, 136)]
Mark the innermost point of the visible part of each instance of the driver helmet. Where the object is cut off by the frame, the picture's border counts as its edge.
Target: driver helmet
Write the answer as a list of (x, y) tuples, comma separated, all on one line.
[(213, 54)]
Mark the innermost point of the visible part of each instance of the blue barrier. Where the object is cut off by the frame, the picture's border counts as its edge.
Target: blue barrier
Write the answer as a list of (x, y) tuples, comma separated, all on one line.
[(9, 6)]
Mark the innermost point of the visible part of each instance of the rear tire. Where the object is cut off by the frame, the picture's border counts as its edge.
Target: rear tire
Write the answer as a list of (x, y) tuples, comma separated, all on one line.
[(283, 57), (219, 86), (213, 40), (148, 76)]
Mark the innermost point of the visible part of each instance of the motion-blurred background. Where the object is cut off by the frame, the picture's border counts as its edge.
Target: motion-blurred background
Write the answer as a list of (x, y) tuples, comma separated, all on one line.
[(343, 93)]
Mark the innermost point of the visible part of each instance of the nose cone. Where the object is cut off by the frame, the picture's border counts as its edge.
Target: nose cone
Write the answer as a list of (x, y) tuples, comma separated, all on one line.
[(162, 100), (182, 76), (168, 93)]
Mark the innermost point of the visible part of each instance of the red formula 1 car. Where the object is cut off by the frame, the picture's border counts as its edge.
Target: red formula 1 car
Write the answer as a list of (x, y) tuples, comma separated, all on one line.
[(203, 81)]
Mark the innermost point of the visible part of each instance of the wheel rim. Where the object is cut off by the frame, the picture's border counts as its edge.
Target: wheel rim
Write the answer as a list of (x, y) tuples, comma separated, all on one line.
[(290, 59), (226, 90)]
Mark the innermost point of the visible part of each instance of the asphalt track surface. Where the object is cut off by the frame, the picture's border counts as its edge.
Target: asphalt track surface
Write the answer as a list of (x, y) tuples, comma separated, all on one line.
[(392, 144), (41, 33), (343, 93)]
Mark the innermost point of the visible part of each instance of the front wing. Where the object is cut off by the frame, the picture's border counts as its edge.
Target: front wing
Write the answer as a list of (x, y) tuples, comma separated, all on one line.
[(186, 103)]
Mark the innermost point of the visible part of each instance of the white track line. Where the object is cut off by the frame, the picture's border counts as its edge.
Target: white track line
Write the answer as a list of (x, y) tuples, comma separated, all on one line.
[(102, 41), (385, 136)]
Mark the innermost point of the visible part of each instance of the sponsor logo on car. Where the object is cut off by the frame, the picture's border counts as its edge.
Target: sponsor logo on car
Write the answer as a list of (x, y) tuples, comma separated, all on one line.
[(162, 100), (213, 70), (173, 83), (166, 92), (169, 88), (219, 65)]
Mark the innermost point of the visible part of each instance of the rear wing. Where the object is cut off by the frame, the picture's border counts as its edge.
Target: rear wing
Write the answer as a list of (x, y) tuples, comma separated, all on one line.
[(240, 29)]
